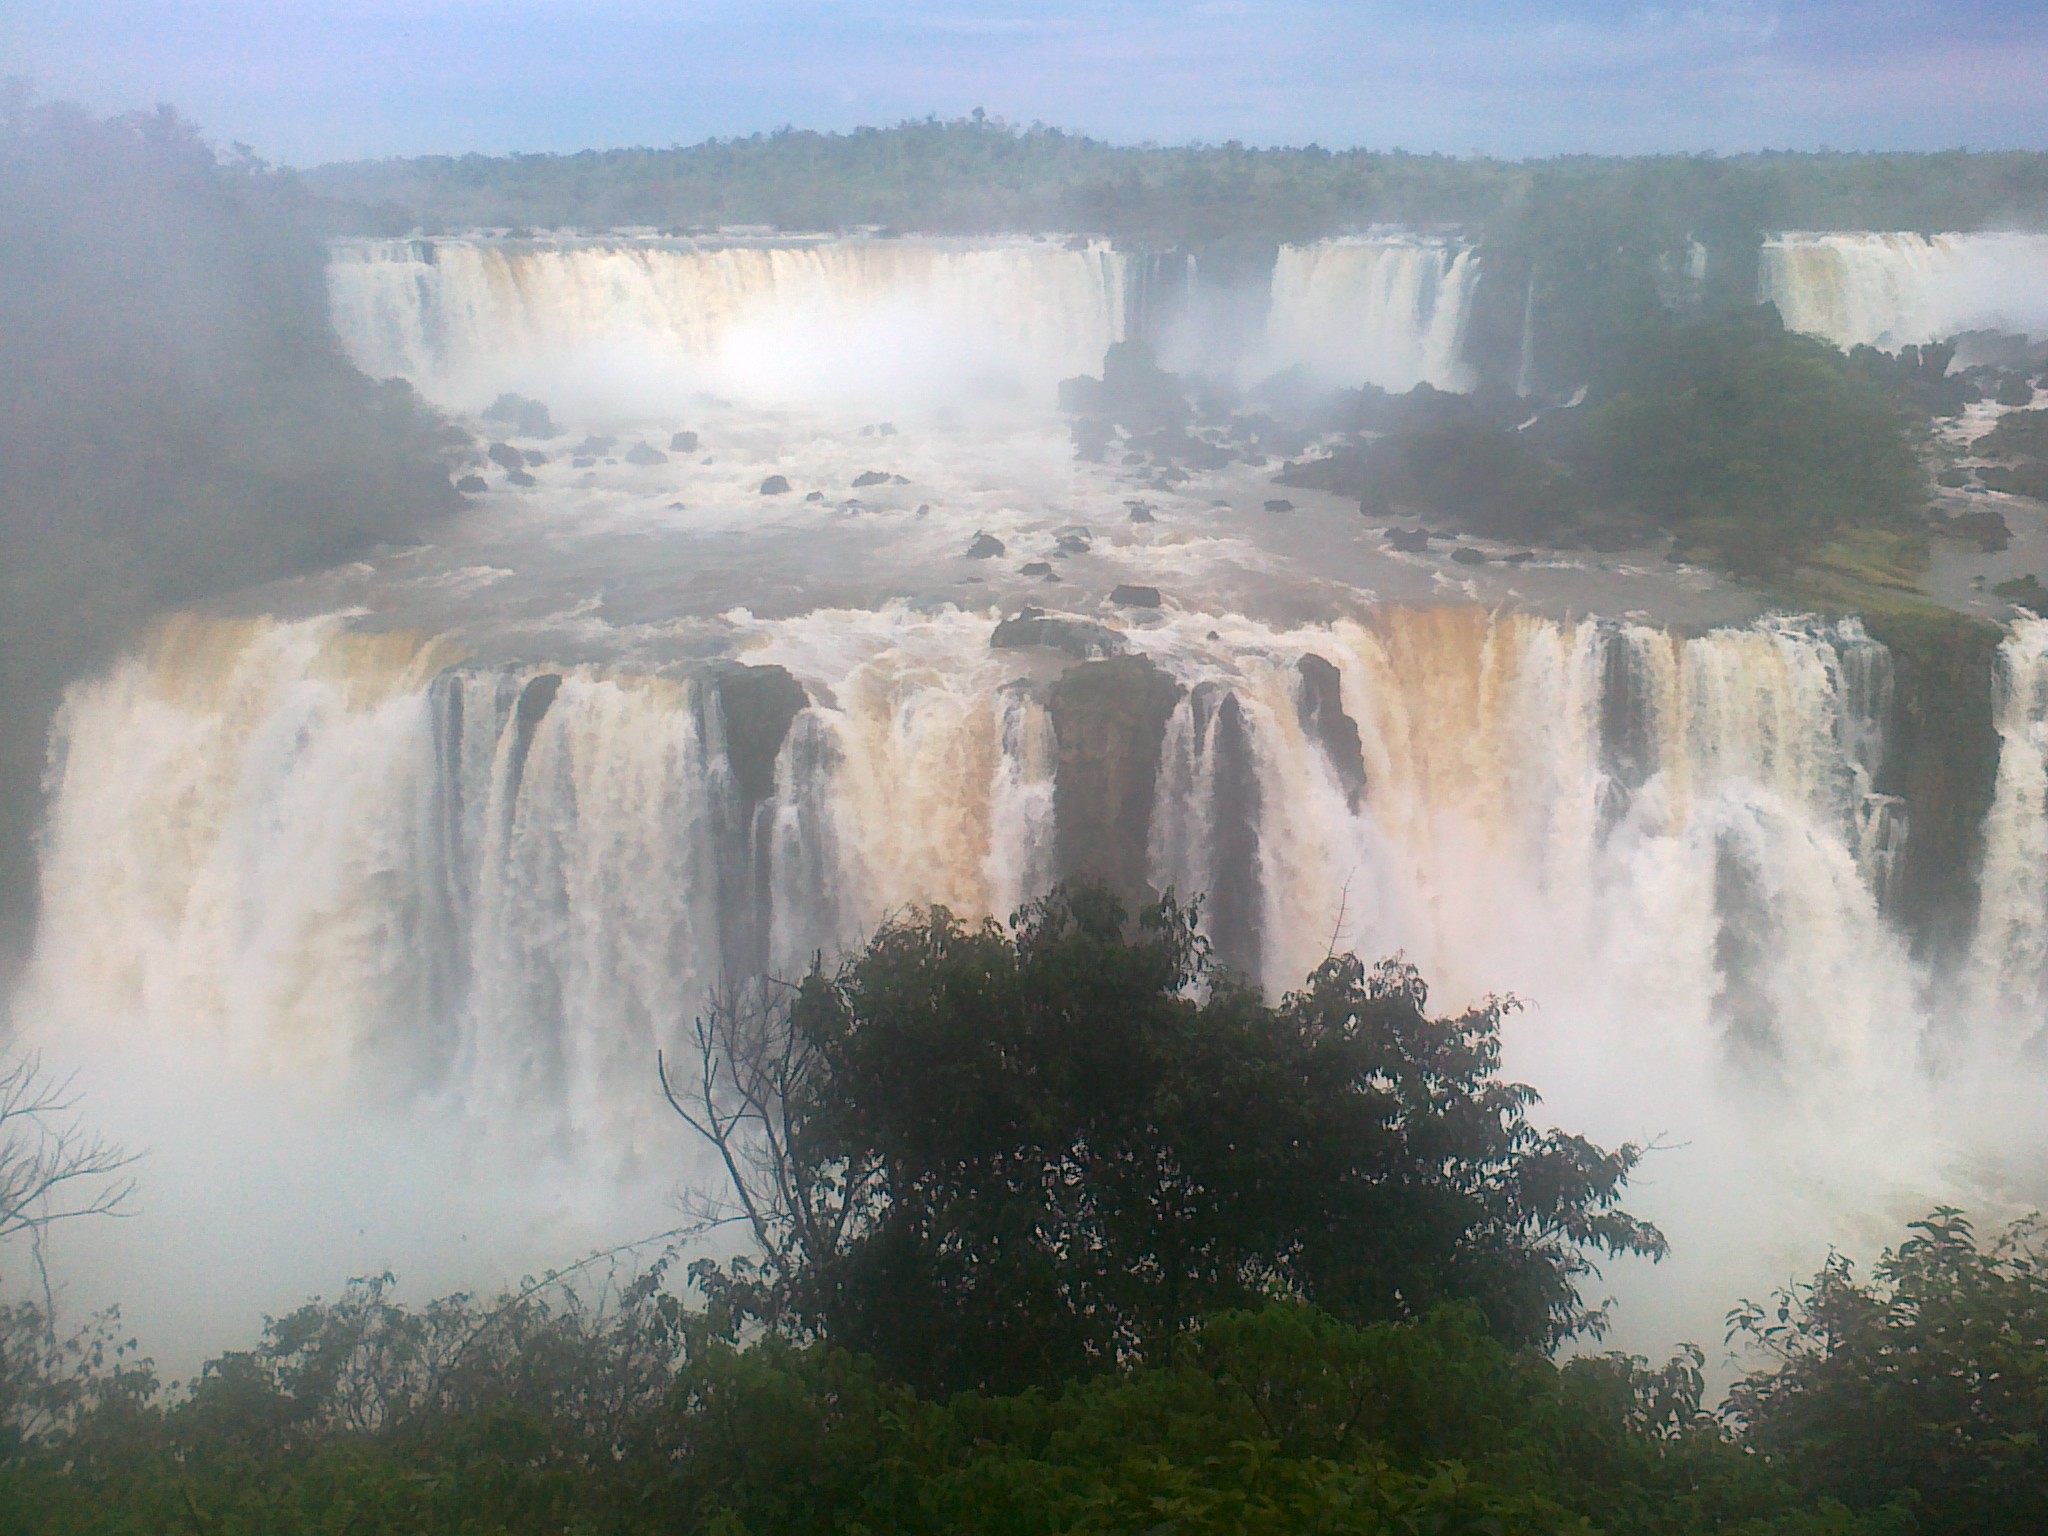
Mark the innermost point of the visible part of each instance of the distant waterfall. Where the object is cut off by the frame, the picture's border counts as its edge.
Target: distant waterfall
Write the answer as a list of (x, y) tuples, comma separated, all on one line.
[(1893, 290), (310, 849), (1387, 310), (624, 322)]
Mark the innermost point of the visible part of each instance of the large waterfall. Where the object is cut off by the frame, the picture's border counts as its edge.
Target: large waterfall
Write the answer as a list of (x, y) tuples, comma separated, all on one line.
[(356, 853), (1893, 290), (608, 324), (611, 321), (386, 885)]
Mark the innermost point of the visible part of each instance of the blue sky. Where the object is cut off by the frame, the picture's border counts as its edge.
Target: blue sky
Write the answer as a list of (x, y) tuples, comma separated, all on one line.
[(311, 80)]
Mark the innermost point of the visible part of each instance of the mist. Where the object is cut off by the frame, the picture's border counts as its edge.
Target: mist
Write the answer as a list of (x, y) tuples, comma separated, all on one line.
[(464, 622)]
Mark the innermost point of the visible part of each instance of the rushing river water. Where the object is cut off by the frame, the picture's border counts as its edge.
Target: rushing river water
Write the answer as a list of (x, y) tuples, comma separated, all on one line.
[(369, 897)]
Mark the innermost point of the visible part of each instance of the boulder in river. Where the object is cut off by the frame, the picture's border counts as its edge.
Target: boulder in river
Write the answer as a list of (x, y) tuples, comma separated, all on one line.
[(1319, 701), (472, 485), (644, 454), (526, 418), (1988, 530), (1035, 568), (814, 496), (519, 477), (1128, 596), (1465, 554), (870, 477), (775, 485), (682, 442), (506, 456), (986, 546), (1408, 541), (535, 458), (1279, 504), (1082, 639), (2027, 478)]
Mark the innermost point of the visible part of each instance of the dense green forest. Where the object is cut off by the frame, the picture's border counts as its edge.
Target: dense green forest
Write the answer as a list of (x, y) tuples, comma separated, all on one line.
[(976, 176), (176, 418), (1060, 1229)]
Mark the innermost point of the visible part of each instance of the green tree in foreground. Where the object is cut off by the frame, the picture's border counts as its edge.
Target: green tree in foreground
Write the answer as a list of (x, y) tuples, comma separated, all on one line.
[(993, 1159), (1927, 1385)]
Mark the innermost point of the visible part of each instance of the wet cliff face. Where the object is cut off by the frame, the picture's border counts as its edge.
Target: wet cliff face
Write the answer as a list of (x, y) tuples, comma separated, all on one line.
[(1942, 760), (1109, 718)]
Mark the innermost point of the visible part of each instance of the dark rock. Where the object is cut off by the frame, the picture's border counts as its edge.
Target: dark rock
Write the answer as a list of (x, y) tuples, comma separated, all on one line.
[(1465, 554), (1279, 504), (1133, 391), (2029, 478), (1988, 530), (642, 454), (756, 706), (1135, 597), (535, 458), (1134, 458), (814, 496), (870, 477), (2014, 390), (583, 461), (1409, 541), (1035, 568), (1082, 639), (472, 485), (899, 480), (1109, 718), (2021, 435), (1521, 557), (526, 418), (2025, 592), (775, 485), (924, 509), (1074, 541), (519, 477), (683, 442), (595, 447), (1142, 514), (886, 429), (506, 456), (986, 546), (1953, 478), (1320, 702)]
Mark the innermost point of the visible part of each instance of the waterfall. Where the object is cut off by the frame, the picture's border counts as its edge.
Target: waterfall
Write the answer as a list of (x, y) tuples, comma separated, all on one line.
[(313, 848), (620, 324), (624, 327), (1892, 289), (2009, 963), (1387, 310)]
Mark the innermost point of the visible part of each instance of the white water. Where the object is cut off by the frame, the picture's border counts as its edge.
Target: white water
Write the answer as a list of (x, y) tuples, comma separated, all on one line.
[(1893, 290), (628, 328), (295, 854), (1387, 310), (614, 326), (376, 962)]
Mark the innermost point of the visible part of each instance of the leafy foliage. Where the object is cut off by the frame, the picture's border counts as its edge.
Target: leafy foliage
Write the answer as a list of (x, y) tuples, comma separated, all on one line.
[(1927, 1385), (997, 1160), (1751, 442)]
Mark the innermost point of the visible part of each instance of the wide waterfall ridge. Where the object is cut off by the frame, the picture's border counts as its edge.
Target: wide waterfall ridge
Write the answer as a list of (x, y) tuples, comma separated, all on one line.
[(610, 324), (1901, 289), (313, 848)]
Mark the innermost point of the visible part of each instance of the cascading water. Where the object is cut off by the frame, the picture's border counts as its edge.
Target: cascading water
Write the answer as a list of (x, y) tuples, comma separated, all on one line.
[(466, 855), (1385, 310), (1893, 290), (613, 323)]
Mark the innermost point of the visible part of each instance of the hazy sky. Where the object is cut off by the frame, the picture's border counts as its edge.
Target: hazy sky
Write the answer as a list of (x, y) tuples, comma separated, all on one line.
[(311, 80)]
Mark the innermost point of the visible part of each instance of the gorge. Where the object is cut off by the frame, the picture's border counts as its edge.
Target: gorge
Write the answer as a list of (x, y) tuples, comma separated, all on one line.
[(460, 834)]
